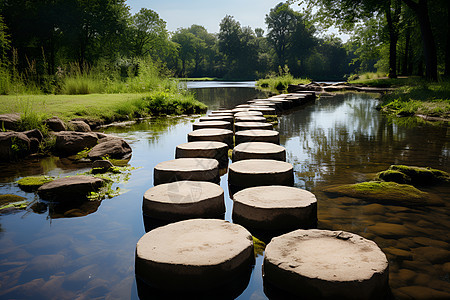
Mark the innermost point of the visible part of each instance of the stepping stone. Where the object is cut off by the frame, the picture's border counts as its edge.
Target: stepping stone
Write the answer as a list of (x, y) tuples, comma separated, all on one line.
[(259, 172), (211, 134), (221, 111), (257, 135), (236, 110), (70, 188), (221, 115), (273, 208), (195, 169), (322, 264), (248, 114), (184, 200), (243, 106), (238, 126), (260, 119), (212, 124), (197, 255), (258, 150), (226, 118), (206, 149), (267, 111)]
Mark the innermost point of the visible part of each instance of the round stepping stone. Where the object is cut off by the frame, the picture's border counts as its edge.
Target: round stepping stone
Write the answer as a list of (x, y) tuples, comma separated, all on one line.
[(251, 119), (265, 110), (275, 208), (322, 264), (206, 149), (260, 172), (257, 135), (220, 115), (211, 134), (226, 118), (184, 200), (258, 150), (221, 111), (195, 169), (197, 255), (238, 126), (248, 114), (243, 106), (211, 124), (236, 110)]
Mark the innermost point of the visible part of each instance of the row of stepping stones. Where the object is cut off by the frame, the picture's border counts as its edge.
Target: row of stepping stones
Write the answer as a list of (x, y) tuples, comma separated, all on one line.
[(199, 252)]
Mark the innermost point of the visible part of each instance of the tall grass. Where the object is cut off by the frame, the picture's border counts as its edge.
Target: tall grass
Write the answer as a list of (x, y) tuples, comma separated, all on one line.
[(280, 81)]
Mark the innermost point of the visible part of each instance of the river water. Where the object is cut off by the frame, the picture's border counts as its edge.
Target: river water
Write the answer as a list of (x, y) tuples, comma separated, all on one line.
[(88, 252)]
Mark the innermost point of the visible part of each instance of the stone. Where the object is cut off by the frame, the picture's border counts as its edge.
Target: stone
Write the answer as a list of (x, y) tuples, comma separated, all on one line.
[(34, 133), (257, 135), (204, 149), (248, 114), (71, 142), (32, 183), (423, 292), (264, 110), (9, 121), (197, 255), (115, 148), (102, 165), (420, 175), (194, 169), (389, 230), (258, 150), (239, 126), (184, 200), (55, 124), (70, 188), (322, 264), (259, 172), (251, 119), (272, 208), (226, 118), (13, 145), (221, 111), (212, 124), (211, 134), (432, 254), (80, 126)]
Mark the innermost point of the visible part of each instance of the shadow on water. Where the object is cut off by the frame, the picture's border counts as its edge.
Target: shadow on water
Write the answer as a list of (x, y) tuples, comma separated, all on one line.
[(339, 140)]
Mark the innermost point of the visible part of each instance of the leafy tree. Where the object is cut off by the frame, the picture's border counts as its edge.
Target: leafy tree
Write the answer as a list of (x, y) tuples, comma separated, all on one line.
[(187, 42)]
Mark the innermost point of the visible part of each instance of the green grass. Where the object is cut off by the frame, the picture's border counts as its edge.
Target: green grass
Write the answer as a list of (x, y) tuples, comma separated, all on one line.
[(280, 83)]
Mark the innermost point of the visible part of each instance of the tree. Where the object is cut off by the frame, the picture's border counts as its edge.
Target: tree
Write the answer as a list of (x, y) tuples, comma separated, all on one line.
[(187, 43), (4, 41)]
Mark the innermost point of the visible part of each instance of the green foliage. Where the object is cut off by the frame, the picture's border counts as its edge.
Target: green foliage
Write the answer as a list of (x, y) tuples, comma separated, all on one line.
[(281, 81), (32, 183)]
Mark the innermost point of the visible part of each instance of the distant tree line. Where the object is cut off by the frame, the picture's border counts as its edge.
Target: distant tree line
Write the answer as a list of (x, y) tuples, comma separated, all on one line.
[(43, 37)]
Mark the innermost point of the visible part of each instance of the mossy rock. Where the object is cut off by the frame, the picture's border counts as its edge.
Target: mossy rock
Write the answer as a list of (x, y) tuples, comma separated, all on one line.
[(272, 119), (422, 176), (386, 193), (393, 176), (32, 183), (11, 202)]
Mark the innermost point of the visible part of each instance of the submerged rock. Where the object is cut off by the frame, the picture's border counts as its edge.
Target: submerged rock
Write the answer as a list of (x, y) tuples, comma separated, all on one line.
[(32, 183), (11, 202), (70, 188), (385, 192), (414, 175)]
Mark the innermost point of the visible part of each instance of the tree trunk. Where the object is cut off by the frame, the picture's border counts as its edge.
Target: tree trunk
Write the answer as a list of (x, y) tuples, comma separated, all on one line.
[(392, 21), (406, 56), (447, 47)]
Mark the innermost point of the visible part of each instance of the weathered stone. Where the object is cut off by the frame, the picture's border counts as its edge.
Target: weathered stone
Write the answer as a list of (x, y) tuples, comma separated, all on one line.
[(217, 117), (71, 142), (258, 150), (248, 114), (34, 133), (55, 124), (32, 183), (240, 126), (257, 135), (199, 254), (204, 149), (420, 175), (389, 230), (212, 124), (259, 119), (432, 254), (184, 200), (211, 134), (13, 145), (423, 292), (9, 121), (194, 169), (264, 110), (115, 148), (221, 111), (321, 264), (70, 188), (80, 126), (102, 165), (274, 208)]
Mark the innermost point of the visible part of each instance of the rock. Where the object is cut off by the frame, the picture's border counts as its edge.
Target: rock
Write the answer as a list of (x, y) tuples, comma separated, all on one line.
[(212, 124), (32, 183), (36, 138), (70, 188), (9, 121), (13, 145), (423, 292), (204, 149), (55, 124), (80, 126), (322, 264), (212, 134), (258, 150), (11, 202), (389, 230), (394, 176), (432, 254), (115, 148), (195, 169), (420, 175), (70, 142), (102, 166), (257, 135)]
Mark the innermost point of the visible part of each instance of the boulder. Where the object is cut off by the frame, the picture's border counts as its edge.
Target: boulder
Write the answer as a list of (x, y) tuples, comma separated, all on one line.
[(80, 126), (13, 145), (70, 188), (9, 121), (414, 175), (32, 183), (70, 142), (111, 147), (55, 124), (36, 138), (102, 166)]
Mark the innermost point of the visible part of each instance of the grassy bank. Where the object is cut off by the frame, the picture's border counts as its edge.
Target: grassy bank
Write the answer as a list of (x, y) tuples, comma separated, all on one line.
[(413, 96), (281, 82)]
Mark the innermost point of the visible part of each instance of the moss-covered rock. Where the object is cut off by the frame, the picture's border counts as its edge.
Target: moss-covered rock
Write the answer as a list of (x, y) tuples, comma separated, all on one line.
[(394, 176), (420, 175), (11, 202), (386, 193), (32, 183)]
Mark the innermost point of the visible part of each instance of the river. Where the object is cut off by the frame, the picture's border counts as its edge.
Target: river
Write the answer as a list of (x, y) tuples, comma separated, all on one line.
[(45, 254)]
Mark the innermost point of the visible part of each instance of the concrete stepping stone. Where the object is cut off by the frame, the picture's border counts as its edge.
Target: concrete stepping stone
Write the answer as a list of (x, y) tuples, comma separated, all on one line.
[(322, 264), (257, 135), (195, 169), (248, 114), (251, 119), (221, 111), (197, 255), (184, 200), (274, 208), (212, 124), (205, 149), (265, 110), (258, 150), (259, 172), (226, 118), (238, 126), (211, 134), (236, 110), (243, 106), (221, 115)]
